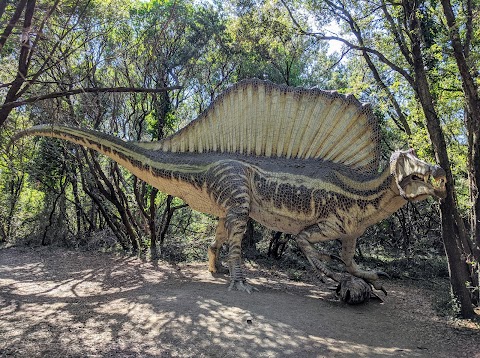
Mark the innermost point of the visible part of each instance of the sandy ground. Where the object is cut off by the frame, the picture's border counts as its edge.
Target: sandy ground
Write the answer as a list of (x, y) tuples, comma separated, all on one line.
[(61, 303)]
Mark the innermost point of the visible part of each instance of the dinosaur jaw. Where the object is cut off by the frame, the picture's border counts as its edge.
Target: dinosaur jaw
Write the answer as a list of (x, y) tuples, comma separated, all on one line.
[(419, 186)]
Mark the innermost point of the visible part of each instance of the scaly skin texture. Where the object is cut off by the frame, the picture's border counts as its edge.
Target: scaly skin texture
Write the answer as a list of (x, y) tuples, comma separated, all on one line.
[(301, 161)]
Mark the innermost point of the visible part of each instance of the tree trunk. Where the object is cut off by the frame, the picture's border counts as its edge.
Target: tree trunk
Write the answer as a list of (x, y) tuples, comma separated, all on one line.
[(12, 93), (277, 246), (78, 205), (50, 222), (166, 217), (103, 212), (13, 20), (470, 90), (152, 224), (458, 268), (249, 235), (110, 194)]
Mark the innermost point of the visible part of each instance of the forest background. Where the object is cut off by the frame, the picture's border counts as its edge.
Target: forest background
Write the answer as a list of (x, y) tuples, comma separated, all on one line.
[(141, 70)]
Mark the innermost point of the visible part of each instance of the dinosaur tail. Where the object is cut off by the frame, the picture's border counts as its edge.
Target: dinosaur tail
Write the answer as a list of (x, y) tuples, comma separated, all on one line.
[(134, 158), (160, 169), (111, 146)]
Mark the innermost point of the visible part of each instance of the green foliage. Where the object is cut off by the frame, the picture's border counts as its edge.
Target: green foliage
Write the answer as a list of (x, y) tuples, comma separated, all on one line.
[(21, 200), (269, 46)]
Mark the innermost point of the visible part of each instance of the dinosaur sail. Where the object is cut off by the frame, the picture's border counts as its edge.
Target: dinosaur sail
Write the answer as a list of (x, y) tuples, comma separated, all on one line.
[(259, 118)]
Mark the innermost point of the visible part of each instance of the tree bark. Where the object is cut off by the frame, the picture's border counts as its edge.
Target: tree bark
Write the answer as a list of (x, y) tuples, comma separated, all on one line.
[(22, 70), (13, 20), (152, 223)]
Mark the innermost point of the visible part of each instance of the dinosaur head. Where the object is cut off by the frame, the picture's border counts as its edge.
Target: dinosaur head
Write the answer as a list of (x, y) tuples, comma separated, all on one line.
[(416, 180)]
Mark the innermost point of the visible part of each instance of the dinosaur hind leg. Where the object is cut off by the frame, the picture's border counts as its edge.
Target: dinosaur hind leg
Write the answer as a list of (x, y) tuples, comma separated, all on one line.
[(230, 187), (372, 277), (214, 249), (316, 259), (236, 224)]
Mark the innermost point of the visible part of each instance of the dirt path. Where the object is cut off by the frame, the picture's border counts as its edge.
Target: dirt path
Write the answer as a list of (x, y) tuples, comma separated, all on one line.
[(59, 303)]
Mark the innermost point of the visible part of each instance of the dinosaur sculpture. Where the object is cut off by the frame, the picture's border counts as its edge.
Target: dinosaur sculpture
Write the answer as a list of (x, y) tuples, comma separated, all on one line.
[(300, 161)]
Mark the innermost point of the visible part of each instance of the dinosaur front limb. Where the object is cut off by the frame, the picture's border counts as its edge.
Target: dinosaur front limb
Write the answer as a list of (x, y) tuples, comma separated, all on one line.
[(352, 290), (214, 249)]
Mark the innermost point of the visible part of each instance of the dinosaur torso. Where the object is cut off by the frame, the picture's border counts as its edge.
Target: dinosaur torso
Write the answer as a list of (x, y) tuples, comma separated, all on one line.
[(291, 202), (286, 196)]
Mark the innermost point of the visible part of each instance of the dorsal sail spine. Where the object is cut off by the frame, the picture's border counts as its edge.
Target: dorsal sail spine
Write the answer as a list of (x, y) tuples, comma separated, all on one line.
[(259, 118)]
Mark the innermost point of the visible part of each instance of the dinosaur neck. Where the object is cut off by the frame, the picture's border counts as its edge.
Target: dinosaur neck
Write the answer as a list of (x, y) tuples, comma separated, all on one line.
[(384, 202)]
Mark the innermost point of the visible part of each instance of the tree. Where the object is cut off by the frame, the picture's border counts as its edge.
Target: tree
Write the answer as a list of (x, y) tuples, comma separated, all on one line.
[(269, 46), (42, 45), (462, 51), (27, 48)]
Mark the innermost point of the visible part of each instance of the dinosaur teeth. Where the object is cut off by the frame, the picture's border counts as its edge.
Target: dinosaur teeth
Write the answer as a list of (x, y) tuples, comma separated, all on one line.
[(438, 183)]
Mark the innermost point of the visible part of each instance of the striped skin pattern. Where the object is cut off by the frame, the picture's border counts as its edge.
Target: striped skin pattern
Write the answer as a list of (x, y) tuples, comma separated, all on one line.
[(314, 199)]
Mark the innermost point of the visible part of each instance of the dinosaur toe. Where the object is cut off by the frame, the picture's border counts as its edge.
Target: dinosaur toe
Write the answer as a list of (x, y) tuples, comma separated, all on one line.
[(241, 285)]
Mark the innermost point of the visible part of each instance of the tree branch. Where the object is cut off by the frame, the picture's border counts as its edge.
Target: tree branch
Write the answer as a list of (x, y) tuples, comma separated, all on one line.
[(3, 6), (87, 90), (320, 36), (11, 24)]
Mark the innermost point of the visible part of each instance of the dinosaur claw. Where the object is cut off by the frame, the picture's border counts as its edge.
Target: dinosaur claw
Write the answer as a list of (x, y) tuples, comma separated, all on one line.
[(354, 290), (241, 285), (337, 258), (379, 287), (383, 274)]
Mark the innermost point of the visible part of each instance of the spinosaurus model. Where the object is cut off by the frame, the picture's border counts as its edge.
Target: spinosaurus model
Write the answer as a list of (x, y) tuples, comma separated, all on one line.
[(301, 161)]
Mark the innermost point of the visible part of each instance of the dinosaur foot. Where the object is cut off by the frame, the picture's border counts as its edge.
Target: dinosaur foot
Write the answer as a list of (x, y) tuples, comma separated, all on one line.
[(354, 290), (379, 287), (382, 274), (241, 285)]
